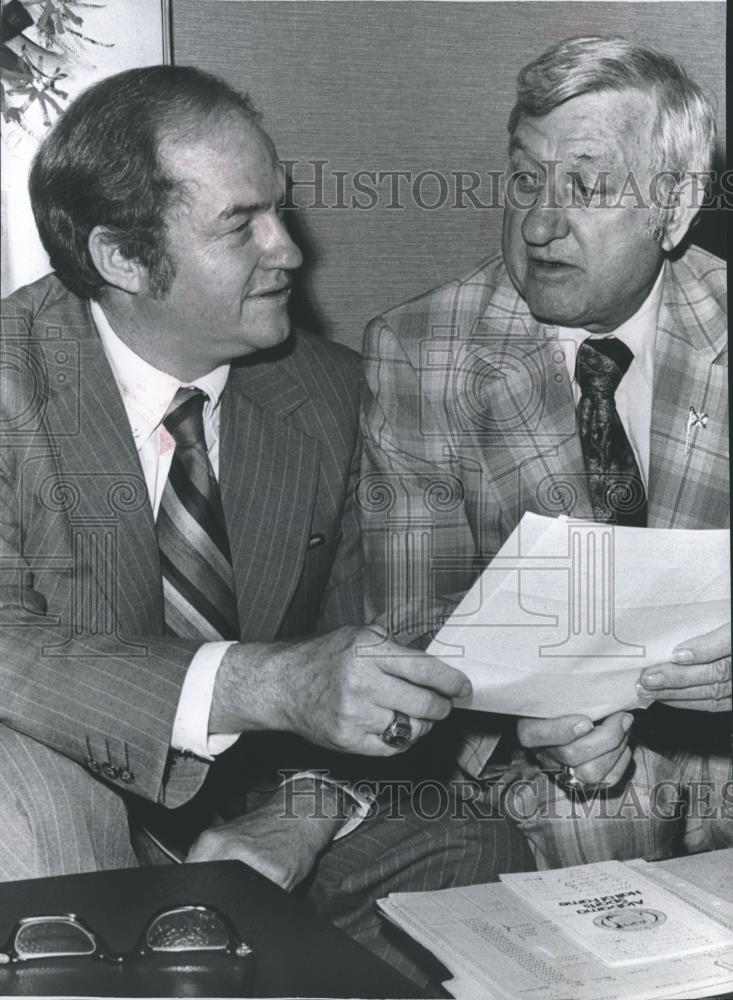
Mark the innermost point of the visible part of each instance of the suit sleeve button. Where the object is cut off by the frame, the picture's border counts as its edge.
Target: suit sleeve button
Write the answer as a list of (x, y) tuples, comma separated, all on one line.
[(126, 775), (93, 765), (110, 771)]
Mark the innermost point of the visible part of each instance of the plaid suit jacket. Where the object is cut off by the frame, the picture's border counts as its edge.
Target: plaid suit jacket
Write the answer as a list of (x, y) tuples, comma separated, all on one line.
[(470, 421), (85, 665)]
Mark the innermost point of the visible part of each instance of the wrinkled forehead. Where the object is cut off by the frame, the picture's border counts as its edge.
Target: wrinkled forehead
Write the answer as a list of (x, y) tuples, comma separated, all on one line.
[(611, 128)]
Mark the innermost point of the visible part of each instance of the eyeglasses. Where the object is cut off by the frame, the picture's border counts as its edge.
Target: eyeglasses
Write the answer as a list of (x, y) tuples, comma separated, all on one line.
[(191, 936)]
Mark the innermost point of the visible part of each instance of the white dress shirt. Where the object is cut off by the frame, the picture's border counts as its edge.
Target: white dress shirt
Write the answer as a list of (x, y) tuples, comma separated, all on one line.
[(147, 393), (634, 393)]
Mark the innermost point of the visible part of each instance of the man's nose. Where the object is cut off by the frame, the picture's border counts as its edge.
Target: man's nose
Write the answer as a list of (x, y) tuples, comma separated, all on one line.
[(280, 251), (544, 223)]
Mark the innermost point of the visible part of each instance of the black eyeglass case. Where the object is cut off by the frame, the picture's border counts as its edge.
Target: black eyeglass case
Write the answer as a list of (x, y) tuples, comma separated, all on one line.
[(211, 976), (195, 950), (296, 951)]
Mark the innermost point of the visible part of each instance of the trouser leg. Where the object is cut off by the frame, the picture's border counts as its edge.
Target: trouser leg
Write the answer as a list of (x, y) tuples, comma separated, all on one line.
[(672, 802), (431, 841), (55, 818), (708, 784), (640, 818)]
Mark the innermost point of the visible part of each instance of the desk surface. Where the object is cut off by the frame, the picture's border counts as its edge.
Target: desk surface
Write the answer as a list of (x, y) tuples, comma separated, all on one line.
[(299, 953)]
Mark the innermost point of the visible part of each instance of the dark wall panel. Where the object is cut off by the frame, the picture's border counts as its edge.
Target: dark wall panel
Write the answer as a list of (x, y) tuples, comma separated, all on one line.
[(413, 87)]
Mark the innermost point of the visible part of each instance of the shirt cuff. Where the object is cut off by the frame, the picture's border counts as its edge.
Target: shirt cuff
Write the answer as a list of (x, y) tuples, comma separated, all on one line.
[(191, 725), (358, 808)]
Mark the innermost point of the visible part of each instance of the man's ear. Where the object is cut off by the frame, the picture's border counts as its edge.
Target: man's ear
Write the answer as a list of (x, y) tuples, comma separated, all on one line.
[(686, 198), (116, 269)]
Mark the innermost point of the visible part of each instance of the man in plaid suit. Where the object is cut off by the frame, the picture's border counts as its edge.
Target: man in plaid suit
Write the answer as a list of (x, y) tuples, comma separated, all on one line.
[(471, 422)]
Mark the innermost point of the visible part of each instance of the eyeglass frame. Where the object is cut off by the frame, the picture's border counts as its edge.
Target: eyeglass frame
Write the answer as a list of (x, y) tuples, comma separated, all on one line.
[(236, 947)]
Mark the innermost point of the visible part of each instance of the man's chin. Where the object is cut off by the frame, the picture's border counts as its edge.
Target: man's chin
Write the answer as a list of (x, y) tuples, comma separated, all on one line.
[(271, 335), (550, 302), (553, 310)]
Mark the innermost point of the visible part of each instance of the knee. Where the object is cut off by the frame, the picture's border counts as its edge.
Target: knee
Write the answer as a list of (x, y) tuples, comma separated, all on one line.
[(18, 856), (639, 819), (55, 819), (472, 834)]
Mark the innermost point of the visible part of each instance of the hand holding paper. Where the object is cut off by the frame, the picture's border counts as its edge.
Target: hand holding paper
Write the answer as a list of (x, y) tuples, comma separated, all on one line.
[(699, 676), (569, 613), (597, 754)]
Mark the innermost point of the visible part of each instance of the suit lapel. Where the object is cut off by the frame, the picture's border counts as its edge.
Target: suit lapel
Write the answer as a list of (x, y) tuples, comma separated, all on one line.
[(527, 439), (268, 472), (688, 476), (106, 498), (269, 476)]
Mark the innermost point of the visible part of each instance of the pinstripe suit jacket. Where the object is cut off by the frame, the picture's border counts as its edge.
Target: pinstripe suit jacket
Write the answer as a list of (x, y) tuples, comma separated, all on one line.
[(470, 421), (85, 665)]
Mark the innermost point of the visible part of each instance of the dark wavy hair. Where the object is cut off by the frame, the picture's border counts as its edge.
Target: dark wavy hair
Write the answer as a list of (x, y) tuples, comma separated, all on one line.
[(100, 166)]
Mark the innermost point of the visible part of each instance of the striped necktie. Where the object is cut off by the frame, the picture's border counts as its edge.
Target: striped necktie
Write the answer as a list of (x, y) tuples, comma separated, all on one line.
[(198, 579), (615, 483)]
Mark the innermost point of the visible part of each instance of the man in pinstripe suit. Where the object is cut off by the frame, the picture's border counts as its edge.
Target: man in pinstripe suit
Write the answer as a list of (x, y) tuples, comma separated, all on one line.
[(474, 388), (160, 348)]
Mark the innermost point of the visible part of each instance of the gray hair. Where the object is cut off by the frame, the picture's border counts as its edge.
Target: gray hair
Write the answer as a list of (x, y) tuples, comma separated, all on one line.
[(684, 130)]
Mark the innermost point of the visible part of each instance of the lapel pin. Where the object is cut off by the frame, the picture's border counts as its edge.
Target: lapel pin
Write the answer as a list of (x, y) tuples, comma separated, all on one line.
[(694, 420)]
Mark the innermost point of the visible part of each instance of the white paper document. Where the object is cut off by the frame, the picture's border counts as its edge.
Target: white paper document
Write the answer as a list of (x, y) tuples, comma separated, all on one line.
[(569, 613), (497, 947), (618, 913), (710, 873)]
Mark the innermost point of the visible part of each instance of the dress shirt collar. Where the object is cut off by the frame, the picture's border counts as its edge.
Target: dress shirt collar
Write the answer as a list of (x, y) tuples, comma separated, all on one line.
[(638, 332), (146, 391)]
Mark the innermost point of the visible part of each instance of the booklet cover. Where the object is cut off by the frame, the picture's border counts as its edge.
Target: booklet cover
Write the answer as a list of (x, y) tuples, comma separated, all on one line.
[(497, 946), (618, 913)]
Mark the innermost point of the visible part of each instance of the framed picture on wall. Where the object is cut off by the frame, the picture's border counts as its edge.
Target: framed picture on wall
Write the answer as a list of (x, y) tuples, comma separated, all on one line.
[(52, 50)]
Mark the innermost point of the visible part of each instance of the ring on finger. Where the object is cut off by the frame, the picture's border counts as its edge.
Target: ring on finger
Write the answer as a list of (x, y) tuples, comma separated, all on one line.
[(398, 733), (568, 780)]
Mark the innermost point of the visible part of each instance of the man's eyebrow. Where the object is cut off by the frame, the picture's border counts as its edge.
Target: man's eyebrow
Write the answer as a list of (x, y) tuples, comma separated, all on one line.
[(239, 209), (596, 158), (516, 145)]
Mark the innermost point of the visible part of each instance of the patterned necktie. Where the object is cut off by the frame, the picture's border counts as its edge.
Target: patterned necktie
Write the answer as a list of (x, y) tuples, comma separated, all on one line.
[(615, 483), (198, 580)]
